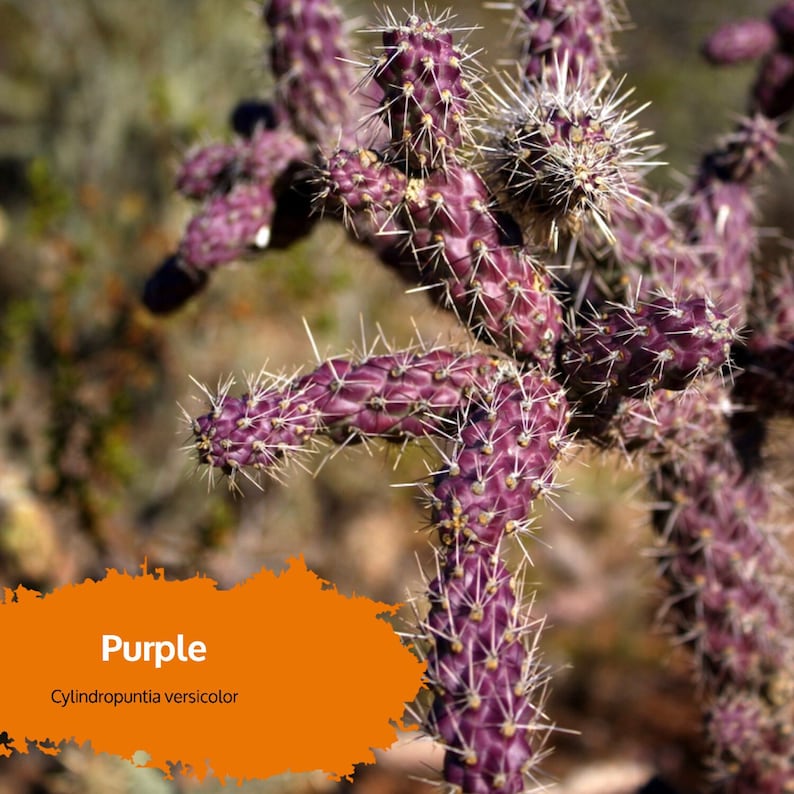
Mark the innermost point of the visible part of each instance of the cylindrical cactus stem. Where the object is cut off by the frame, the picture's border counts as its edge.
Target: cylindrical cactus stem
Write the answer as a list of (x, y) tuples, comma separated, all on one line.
[(229, 226), (237, 217), (208, 169), (440, 232), (709, 251), (248, 187), (723, 229), (721, 209), (261, 157), (568, 38), (723, 567), (742, 154), (634, 350), (560, 155), (484, 675), (425, 86), (396, 397), (311, 60), (650, 254), (725, 571), (361, 183), (268, 154), (663, 426), (494, 286), (504, 457), (772, 40), (740, 40)]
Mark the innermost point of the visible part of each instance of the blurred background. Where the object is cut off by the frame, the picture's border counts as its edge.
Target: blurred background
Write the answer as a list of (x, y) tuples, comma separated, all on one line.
[(99, 99)]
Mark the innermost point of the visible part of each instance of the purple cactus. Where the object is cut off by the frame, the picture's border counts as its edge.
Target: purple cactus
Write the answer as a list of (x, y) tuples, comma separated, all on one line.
[(750, 736), (663, 426), (395, 397), (482, 664), (495, 287), (247, 187), (485, 674), (309, 56), (770, 40), (503, 458), (228, 226), (633, 350), (577, 33), (654, 329), (651, 253), (724, 569), (722, 210), (425, 90), (208, 170), (711, 527)]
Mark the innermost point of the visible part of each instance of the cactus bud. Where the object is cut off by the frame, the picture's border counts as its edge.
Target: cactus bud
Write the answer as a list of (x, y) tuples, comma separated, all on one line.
[(743, 40)]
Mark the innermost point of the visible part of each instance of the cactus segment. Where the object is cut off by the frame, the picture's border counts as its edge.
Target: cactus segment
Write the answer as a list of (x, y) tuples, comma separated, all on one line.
[(395, 397), (634, 350), (423, 77)]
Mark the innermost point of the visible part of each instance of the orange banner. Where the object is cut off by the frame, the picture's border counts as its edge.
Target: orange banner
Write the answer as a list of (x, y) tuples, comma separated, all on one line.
[(280, 673)]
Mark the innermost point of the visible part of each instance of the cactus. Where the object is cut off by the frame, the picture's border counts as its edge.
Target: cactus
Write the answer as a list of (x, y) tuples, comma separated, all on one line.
[(577, 33), (486, 681), (422, 75), (394, 396), (596, 310)]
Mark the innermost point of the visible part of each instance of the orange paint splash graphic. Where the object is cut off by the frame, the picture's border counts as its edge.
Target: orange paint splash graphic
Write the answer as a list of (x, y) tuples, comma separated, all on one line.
[(280, 673)]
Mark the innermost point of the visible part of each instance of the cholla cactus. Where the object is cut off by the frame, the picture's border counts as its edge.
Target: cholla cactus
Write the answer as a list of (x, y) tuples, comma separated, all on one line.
[(645, 332)]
